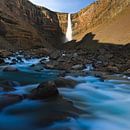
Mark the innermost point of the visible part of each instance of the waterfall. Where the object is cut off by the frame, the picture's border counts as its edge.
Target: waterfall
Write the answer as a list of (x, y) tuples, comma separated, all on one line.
[(69, 29)]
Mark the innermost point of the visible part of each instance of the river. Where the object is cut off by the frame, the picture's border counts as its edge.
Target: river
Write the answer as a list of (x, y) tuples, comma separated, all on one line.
[(93, 104)]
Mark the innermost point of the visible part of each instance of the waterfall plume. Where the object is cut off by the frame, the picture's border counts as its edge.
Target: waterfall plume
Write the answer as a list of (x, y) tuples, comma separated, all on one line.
[(69, 29)]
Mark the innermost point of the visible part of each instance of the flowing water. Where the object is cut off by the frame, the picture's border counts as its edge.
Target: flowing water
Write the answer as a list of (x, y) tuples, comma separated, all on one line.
[(69, 29), (93, 104)]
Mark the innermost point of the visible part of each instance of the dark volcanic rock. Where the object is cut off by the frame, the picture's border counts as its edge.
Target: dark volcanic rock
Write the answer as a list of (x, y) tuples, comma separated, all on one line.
[(55, 55), (62, 82), (44, 91), (49, 89), (5, 53), (10, 69), (9, 99), (8, 85), (78, 67), (2, 61)]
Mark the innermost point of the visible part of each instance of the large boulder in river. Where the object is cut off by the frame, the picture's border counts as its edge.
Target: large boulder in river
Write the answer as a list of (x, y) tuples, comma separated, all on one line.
[(44, 91)]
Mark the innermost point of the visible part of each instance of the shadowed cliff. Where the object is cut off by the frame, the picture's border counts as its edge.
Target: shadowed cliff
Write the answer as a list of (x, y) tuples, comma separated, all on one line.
[(89, 43), (24, 25)]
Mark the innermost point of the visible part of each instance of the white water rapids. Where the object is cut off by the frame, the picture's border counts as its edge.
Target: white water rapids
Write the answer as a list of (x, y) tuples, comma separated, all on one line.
[(104, 104)]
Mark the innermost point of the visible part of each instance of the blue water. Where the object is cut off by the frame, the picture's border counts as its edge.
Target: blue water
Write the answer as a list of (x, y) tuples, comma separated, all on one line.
[(93, 104)]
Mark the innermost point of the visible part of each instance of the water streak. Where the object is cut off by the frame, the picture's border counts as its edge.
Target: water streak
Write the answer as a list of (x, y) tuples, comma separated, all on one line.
[(69, 29)]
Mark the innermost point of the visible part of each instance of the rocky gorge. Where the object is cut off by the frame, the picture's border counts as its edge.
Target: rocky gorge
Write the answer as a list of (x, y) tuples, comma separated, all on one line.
[(49, 84)]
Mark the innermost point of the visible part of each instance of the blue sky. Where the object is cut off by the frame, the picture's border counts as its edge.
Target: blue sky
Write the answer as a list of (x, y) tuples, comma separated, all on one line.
[(69, 6)]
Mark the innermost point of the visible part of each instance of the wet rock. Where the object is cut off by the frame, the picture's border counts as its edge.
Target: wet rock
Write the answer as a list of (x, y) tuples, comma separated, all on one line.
[(9, 85), (101, 75), (51, 65), (37, 67), (127, 72), (5, 53), (44, 91), (9, 99), (55, 55), (2, 61), (39, 52), (128, 63), (44, 60), (48, 112), (78, 67), (10, 69), (14, 61), (76, 73), (112, 69), (63, 82)]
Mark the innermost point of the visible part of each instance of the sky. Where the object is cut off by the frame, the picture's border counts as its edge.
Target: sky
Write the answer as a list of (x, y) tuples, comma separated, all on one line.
[(68, 6)]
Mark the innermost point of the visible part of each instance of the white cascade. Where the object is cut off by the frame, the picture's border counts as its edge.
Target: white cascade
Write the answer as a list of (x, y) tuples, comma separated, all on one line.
[(69, 29)]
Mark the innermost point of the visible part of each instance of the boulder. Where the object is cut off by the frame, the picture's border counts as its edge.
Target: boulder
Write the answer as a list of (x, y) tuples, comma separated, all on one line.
[(10, 69), (128, 71), (44, 91), (37, 67), (14, 61), (55, 55), (8, 85), (128, 63), (112, 69), (51, 65), (5, 53), (2, 61), (62, 82), (8, 99), (78, 67)]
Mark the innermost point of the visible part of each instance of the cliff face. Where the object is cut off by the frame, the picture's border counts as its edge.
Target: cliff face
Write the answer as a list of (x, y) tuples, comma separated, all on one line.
[(24, 25), (98, 13)]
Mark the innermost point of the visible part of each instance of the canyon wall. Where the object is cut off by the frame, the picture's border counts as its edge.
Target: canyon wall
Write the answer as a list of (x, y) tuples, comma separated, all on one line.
[(98, 13), (24, 25)]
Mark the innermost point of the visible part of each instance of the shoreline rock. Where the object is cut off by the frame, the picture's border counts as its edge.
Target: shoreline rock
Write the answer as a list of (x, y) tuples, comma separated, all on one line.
[(44, 91), (9, 99)]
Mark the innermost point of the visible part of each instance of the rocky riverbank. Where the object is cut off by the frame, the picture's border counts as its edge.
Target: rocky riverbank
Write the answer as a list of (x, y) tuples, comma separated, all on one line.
[(106, 58)]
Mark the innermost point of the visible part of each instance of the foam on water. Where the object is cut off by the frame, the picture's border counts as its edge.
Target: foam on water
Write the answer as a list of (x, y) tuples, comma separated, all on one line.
[(105, 104), (109, 101)]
